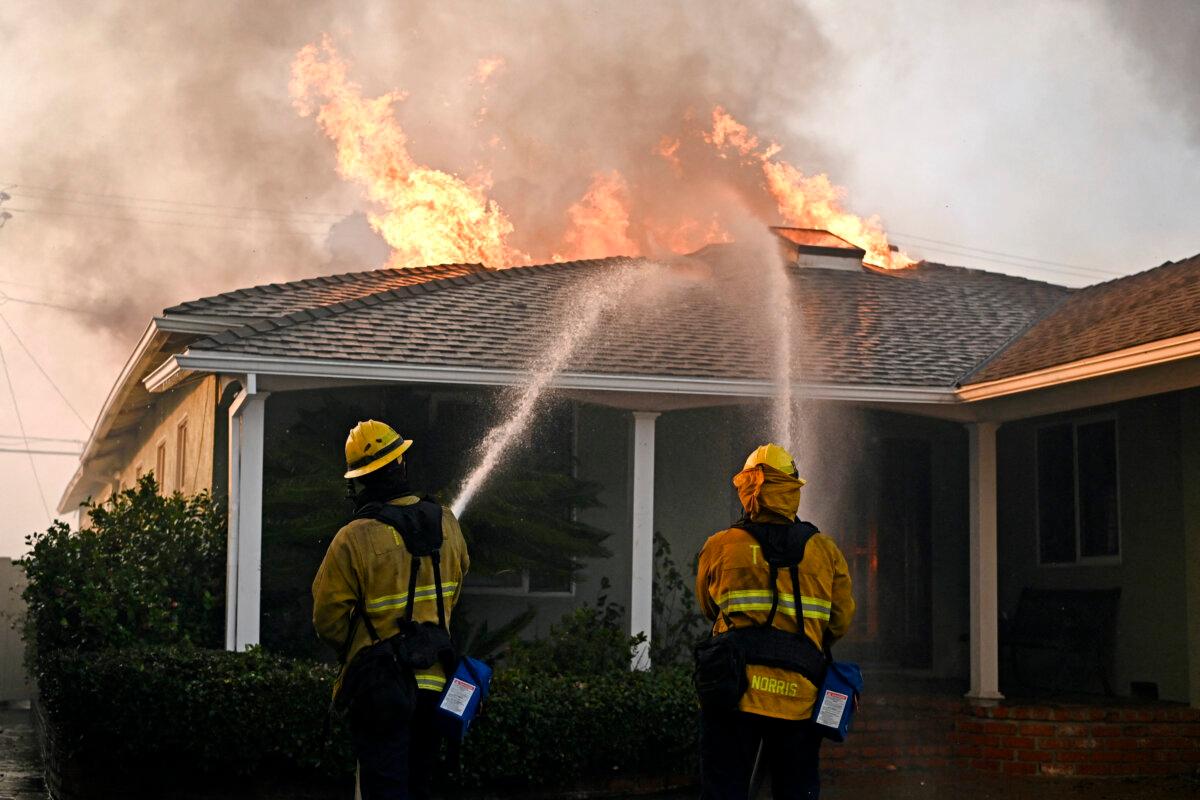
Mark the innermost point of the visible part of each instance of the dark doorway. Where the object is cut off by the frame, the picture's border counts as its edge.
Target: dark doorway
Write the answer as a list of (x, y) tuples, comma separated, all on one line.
[(904, 520)]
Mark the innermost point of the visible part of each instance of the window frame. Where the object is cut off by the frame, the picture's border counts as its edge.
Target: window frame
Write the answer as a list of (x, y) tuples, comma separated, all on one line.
[(181, 432), (1080, 559), (160, 464)]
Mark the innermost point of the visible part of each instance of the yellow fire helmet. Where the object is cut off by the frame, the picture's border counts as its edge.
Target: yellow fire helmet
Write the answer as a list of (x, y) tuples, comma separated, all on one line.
[(371, 445), (774, 456)]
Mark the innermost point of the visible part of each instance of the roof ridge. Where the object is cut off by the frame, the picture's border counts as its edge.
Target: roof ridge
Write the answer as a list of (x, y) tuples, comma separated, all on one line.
[(318, 281), (1140, 273), (1010, 341), (252, 329)]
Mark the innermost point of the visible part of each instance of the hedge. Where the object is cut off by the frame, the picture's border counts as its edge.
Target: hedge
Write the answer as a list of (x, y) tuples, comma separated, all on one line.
[(213, 713)]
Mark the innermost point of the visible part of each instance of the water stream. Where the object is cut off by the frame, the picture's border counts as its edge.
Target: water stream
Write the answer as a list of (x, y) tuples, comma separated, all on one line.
[(590, 299)]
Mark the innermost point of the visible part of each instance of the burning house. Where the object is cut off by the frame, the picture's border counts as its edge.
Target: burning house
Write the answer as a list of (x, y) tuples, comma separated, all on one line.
[(967, 436)]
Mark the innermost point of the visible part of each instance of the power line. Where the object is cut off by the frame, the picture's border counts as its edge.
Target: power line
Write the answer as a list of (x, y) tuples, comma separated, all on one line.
[(32, 452), (21, 425), (40, 438), (134, 199), (5, 297), (1099, 270), (174, 223), (158, 210), (1003, 262), (45, 374)]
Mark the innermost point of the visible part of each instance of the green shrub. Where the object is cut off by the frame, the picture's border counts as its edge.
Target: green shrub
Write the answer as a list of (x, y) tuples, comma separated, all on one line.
[(202, 712), (147, 570), (214, 713), (587, 641)]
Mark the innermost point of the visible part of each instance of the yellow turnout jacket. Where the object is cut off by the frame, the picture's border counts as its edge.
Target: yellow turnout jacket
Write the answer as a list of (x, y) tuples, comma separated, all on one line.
[(734, 591), (367, 559)]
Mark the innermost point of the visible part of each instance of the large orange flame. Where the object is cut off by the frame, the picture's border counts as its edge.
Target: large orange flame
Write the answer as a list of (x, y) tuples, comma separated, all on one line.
[(600, 221), (806, 201), (429, 216), (426, 215)]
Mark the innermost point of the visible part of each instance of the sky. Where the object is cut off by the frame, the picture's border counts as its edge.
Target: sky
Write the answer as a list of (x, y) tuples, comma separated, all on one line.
[(153, 154)]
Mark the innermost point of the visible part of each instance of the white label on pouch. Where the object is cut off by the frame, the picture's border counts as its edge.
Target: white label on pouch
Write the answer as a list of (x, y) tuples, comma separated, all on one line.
[(832, 707), (457, 697)]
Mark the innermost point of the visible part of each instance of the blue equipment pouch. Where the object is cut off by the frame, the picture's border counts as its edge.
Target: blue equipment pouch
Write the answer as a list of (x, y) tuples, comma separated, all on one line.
[(465, 692), (837, 700)]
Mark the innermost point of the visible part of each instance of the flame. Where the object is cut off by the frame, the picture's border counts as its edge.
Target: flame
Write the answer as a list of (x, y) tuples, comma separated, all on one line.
[(427, 216), (599, 221), (689, 234), (487, 67), (668, 148), (806, 201)]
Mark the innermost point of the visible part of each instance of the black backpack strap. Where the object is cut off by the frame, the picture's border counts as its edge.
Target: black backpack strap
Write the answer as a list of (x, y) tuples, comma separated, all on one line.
[(413, 569), (774, 595), (794, 571), (436, 558)]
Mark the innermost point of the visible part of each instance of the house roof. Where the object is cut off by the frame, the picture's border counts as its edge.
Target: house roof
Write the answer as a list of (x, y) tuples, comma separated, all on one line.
[(274, 299), (925, 326), (1149, 306)]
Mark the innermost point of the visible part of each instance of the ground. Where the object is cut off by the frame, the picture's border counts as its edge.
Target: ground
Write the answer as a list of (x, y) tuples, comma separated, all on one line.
[(21, 779), (20, 761)]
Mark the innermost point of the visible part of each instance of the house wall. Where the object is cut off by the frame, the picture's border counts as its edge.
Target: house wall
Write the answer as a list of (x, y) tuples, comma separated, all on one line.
[(195, 402), (1189, 405), (1152, 635)]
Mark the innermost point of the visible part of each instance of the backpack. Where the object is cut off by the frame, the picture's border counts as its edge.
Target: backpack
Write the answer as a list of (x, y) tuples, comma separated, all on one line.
[(720, 660)]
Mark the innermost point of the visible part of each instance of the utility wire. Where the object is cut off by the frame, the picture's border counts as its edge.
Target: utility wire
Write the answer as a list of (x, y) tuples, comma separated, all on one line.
[(32, 452), (21, 425), (40, 438), (1005, 255), (45, 374), (333, 215), (174, 223), (190, 212), (999, 261), (5, 297)]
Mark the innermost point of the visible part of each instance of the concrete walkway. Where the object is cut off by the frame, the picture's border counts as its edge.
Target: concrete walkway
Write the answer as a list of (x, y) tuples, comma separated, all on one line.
[(20, 761)]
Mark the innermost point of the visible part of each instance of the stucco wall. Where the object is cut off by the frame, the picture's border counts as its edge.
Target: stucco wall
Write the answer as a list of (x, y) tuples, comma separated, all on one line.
[(1189, 406), (1152, 638), (195, 402), (14, 682)]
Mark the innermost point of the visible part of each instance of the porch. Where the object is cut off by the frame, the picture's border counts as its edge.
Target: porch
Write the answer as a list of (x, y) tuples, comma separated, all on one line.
[(908, 723)]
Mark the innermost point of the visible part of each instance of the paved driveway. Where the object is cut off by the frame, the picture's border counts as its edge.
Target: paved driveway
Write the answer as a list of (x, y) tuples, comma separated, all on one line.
[(20, 761)]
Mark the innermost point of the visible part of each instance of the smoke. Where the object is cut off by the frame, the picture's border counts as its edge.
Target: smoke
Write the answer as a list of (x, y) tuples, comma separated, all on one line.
[(1164, 37), (189, 103)]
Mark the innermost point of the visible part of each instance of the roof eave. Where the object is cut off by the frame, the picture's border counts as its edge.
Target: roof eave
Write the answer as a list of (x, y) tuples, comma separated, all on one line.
[(1129, 358), (178, 367)]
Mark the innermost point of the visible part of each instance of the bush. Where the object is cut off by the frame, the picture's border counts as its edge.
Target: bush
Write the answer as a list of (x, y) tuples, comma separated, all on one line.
[(214, 713), (148, 570), (587, 641), (198, 712)]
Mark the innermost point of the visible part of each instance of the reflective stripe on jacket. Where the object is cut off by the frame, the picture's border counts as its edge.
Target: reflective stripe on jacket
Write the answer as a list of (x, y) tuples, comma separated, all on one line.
[(733, 588), (367, 558)]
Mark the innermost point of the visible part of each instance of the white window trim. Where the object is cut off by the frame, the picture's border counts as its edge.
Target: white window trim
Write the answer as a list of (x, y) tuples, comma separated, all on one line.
[(180, 468), (1080, 559), (166, 463)]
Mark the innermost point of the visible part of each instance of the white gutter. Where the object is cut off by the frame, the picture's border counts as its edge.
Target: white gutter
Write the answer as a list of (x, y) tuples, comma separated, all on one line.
[(1145, 355), (200, 324), (177, 367)]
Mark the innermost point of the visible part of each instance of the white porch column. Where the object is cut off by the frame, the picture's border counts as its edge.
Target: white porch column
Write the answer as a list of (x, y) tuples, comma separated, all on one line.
[(642, 575), (985, 605), (243, 575)]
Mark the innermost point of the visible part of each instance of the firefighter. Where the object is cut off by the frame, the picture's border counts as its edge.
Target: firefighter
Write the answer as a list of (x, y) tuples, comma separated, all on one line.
[(771, 720), (368, 566)]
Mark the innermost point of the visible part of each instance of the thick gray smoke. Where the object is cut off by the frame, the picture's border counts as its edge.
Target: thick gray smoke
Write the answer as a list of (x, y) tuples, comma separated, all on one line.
[(1165, 35), (188, 103)]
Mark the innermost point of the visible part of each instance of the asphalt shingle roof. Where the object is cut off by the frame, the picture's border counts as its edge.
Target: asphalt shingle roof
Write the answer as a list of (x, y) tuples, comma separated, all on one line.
[(703, 317), (275, 299), (1156, 304)]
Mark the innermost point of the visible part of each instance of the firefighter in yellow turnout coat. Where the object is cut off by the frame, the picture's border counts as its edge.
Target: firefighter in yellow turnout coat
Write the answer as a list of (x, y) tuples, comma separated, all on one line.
[(733, 586), (367, 563)]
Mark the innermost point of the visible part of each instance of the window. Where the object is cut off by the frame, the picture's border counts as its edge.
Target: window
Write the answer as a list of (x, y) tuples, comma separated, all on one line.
[(180, 453), (160, 466), (1078, 496)]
